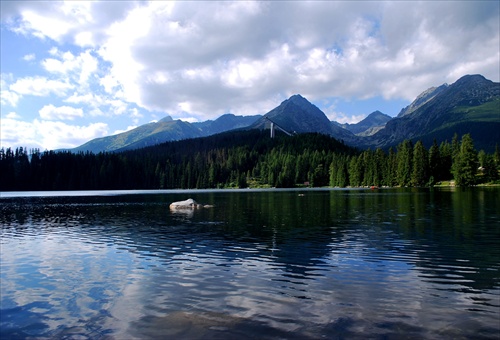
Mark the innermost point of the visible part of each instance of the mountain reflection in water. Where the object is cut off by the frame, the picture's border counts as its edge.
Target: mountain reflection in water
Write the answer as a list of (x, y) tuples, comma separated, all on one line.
[(264, 264)]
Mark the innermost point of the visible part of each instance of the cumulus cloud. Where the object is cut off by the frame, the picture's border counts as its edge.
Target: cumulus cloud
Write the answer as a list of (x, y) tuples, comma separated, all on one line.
[(7, 97), (29, 57), (50, 112), (181, 55), (83, 23), (49, 135), (78, 68), (40, 86), (12, 115), (197, 61), (221, 55)]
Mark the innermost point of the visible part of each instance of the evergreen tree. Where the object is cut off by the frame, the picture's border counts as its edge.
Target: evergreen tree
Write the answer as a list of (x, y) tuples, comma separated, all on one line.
[(496, 157), (333, 170), (380, 166), (455, 153), (490, 171), (404, 158), (369, 168), (230, 159), (420, 171), (390, 176), (481, 158), (342, 173), (354, 172), (465, 163), (446, 161), (434, 162)]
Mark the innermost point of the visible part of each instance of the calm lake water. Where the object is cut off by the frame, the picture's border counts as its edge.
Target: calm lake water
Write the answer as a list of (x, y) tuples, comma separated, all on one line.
[(270, 264)]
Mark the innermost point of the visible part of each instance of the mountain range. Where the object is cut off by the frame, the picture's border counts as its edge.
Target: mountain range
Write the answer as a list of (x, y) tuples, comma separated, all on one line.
[(368, 126), (470, 105)]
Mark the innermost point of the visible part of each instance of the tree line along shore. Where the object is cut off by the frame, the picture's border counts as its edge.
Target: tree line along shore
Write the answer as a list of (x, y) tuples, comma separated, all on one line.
[(251, 159)]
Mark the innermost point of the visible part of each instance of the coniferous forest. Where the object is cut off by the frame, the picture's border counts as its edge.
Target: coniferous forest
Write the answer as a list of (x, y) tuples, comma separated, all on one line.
[(250, 159)]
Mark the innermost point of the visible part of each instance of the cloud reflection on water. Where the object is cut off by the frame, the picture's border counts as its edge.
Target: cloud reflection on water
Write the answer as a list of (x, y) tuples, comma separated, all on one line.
[(116, 268)]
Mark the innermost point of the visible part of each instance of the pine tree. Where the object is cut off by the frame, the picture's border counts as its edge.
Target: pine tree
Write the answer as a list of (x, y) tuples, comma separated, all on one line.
[(369, 168), (354, 173), (465, 163), (496, 157), (390, 176), (342, 173), (380, 166), (404, 157), (455, 154), (434, 162), (420, 171), (446, 161), (490, 169), (333, 172)]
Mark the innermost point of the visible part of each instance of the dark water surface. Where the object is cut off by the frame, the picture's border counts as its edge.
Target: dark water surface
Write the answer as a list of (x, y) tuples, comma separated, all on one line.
[(310, 264)]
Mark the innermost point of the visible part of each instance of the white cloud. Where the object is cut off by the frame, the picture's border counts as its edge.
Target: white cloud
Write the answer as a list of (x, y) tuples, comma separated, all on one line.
[(342, 117), (58, 134), (48, 134), (43, 26), (40, 86), (87, 98), (102, 104), (50, 20), (109, 83), (8, 97), (334, 114), (126, 70), (84, 39), (15, 133), (78, 68), (13, 115), (29, 57), (197, 61), (185, 58), (50, 112)]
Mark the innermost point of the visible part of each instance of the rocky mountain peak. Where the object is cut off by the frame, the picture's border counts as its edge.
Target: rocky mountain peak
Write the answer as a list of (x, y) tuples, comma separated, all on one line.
[(469, 90), (375, 119), (422, 99), (472, 79), (166, 119), (297, 99)]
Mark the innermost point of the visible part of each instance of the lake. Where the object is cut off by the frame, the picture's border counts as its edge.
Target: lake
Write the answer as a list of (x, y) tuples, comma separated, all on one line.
[(260, 264)]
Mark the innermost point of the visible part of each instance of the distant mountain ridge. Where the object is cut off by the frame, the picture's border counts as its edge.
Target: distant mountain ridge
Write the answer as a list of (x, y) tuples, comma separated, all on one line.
[(225, 123), (144, 135), (422, 99), (470, 105), (374, 120), (166, 129)]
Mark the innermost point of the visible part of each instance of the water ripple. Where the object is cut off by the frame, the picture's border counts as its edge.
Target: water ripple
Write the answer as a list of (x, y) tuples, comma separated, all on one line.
[(120, 266)]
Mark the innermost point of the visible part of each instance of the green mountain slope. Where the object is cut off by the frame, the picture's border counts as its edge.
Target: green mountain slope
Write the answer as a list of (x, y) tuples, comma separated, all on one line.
[(144, 135), (470, 105), (225, 123), (162, 131), (298, 115)]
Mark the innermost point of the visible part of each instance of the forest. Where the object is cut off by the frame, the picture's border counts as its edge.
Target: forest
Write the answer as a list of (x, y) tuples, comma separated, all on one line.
[(250, 159)]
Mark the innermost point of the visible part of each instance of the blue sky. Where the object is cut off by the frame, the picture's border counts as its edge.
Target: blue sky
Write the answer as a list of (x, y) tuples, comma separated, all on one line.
[(72, 71)]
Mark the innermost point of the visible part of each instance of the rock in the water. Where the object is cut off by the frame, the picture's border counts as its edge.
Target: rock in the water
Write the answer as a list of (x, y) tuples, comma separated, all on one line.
[(188, 204)]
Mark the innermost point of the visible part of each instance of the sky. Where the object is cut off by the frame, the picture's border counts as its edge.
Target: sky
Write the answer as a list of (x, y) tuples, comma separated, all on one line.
[(72, 71)]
